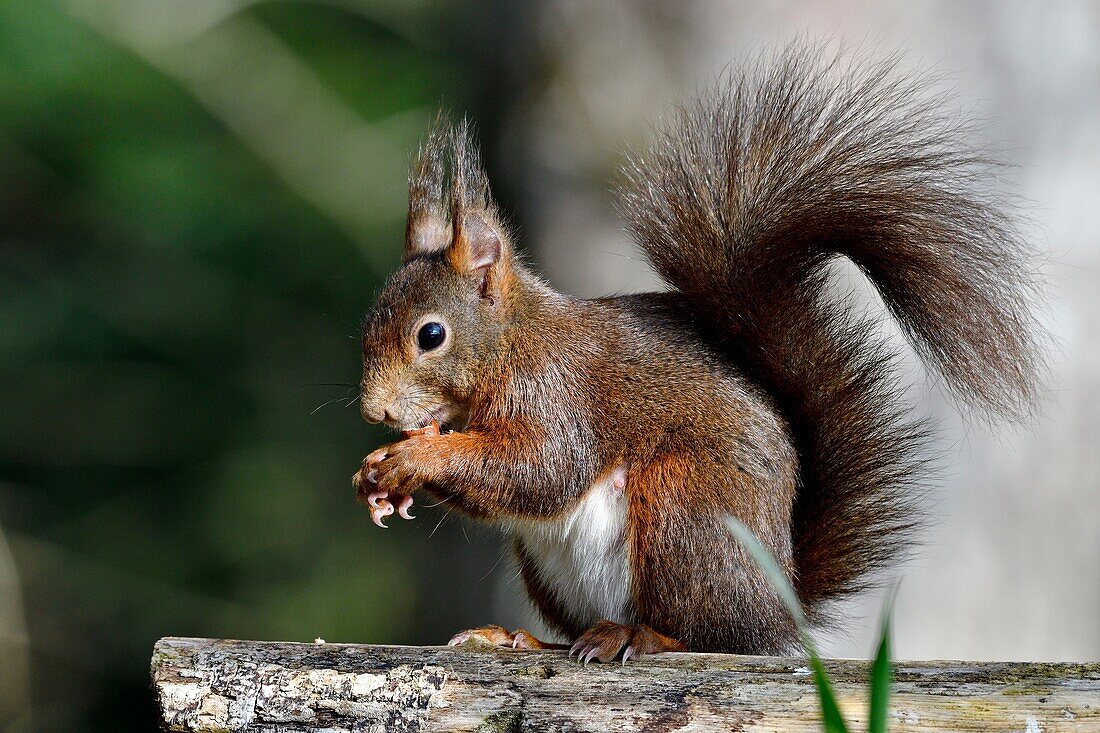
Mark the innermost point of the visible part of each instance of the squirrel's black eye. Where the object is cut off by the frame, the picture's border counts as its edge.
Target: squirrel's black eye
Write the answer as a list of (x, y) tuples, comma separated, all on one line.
[(430, 336)]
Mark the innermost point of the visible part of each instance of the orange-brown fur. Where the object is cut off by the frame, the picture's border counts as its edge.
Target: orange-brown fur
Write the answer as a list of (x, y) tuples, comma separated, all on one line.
[(745, 391)]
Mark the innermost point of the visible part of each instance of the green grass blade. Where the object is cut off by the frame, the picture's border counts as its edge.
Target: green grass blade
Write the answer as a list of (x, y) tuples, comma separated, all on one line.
[(881, 675), (830, 711), (776, 576)]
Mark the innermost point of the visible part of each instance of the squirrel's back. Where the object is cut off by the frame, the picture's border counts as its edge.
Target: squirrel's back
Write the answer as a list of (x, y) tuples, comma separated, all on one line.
[(740, 204)]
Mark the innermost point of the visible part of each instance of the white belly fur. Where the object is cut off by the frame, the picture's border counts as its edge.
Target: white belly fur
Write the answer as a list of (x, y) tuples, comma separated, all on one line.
[(581, 557)]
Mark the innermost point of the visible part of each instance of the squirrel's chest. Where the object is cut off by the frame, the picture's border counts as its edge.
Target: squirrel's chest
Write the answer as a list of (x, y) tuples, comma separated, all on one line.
[(581, 558)]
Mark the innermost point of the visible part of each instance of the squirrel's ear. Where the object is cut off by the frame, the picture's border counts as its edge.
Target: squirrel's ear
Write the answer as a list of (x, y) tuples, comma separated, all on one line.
[(476, 244)]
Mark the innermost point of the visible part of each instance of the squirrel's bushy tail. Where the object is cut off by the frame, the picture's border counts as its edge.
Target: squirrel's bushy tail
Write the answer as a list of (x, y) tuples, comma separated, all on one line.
[(742, 201)]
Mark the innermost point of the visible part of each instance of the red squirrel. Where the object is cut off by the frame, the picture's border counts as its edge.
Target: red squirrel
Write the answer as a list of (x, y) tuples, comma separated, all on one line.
[(611, 438)]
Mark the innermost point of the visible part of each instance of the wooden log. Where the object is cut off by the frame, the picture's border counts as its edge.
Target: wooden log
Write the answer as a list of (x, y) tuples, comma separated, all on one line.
[(212, 685)]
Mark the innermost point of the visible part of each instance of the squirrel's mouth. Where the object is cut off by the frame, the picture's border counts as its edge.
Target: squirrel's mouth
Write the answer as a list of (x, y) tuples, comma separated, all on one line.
[(450, 425), (450, 420)]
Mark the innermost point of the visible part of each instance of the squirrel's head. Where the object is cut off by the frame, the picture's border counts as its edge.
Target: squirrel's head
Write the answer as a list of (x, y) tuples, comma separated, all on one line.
[(439, 322)]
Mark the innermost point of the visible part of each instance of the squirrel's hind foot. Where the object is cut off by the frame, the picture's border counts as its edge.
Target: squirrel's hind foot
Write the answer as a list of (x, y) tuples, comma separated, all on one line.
[(607, 639), (499, 636)]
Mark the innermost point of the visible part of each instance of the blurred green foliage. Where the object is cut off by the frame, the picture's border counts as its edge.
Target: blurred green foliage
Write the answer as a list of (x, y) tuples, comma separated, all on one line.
[(171, 311)]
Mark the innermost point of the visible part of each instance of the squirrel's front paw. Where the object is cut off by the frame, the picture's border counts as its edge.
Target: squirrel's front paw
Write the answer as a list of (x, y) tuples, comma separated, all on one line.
[(390, 474), (381, 502)]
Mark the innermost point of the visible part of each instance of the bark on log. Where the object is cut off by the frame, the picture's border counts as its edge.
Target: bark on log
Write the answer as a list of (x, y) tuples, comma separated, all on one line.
[(211, 685)]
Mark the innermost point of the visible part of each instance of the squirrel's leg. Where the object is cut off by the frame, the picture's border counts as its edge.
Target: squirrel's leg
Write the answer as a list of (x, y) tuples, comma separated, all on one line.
[(691, 579)]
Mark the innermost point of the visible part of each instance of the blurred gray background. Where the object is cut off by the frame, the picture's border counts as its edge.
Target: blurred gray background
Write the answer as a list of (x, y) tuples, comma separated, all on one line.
[(201, 198)]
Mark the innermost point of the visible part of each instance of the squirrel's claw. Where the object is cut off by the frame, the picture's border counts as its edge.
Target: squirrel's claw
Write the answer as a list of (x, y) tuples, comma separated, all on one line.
[(381, 506), (375, 498), (403, 507), (380, 511)]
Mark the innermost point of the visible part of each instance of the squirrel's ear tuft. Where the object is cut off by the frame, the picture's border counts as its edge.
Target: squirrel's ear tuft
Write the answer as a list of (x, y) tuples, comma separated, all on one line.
[(427, 229), (478, 242), (451, 209)]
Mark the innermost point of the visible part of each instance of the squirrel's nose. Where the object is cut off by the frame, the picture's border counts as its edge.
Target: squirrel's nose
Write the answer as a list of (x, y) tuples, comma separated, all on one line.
[(372, 413)]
